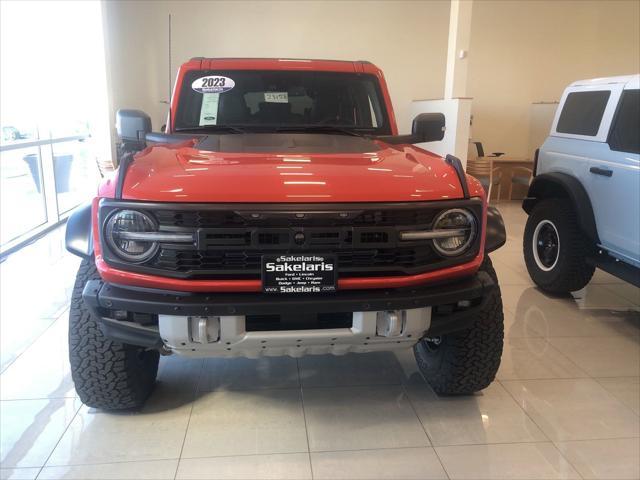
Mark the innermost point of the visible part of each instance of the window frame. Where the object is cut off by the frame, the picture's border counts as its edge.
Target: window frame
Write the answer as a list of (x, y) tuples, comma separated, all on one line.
[(614, 121), (54, 215), (607, 116)]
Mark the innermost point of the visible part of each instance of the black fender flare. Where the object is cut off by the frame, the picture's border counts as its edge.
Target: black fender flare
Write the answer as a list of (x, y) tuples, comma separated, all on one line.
[(78, 236), (561, 185), (496, 235)]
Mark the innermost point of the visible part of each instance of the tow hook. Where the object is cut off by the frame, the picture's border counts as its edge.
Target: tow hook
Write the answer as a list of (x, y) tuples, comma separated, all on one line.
[(164, 351), (390, 323)]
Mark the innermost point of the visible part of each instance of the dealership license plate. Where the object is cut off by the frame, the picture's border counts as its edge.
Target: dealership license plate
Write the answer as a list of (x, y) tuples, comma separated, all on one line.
[(297, 273)]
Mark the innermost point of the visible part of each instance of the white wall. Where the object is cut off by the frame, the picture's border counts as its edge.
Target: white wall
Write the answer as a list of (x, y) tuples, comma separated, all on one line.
[(528, 51), (407, 39)]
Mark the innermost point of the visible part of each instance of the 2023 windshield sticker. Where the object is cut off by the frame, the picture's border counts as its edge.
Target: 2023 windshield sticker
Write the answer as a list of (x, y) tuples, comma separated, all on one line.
[(213, 84)]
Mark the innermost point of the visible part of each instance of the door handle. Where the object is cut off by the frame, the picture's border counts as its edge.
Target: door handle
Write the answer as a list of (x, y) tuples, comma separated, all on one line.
[(605, 172)]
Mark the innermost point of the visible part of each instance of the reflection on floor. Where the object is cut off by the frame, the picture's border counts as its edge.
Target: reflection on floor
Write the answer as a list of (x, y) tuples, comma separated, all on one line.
[(566, 403)]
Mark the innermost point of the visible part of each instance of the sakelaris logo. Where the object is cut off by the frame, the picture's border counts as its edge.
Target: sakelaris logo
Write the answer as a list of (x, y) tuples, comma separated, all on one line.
[(299, 258), (298, 267)]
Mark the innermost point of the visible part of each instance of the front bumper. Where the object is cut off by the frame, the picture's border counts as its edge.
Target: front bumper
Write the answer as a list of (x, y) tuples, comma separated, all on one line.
[(170, 316)]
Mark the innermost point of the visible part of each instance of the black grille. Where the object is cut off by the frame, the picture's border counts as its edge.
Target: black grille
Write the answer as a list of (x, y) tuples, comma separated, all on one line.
[(248, 263), (230, 240), (216, 219), (198, 218)]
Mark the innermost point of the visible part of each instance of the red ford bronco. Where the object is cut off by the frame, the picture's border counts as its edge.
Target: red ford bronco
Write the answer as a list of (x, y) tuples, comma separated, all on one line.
[(280, 213)]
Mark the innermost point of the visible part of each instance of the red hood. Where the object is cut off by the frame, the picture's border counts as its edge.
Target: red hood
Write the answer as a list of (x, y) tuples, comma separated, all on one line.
[(184, 173)]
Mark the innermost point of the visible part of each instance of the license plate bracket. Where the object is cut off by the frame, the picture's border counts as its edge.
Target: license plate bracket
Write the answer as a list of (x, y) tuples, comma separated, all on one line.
[(299, 273)]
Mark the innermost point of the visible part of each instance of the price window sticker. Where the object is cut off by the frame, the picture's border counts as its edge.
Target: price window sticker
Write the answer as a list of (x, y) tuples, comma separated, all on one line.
[(209, 109), (276, 97)]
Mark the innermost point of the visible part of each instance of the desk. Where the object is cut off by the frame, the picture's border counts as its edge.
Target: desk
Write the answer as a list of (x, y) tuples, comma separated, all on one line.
[(506, 164)]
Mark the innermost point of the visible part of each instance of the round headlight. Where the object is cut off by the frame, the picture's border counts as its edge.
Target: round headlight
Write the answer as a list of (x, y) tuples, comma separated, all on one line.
[(120, 233), (463, 228)]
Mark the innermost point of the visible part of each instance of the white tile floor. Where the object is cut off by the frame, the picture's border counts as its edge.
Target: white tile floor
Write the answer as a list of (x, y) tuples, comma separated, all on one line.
[(566, 403)]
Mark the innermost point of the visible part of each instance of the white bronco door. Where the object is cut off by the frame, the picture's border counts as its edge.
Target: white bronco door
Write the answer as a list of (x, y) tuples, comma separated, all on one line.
[(614, 181)]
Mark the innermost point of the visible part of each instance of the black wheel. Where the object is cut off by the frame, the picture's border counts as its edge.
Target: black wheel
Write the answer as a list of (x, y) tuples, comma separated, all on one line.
[(464, 362), (555, 249), (106, 374)]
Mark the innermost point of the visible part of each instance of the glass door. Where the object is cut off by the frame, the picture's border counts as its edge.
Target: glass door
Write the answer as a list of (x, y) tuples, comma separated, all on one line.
[(22, 202)]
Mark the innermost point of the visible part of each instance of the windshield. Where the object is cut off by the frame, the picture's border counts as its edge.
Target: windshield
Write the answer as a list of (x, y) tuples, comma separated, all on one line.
[(258, 100)]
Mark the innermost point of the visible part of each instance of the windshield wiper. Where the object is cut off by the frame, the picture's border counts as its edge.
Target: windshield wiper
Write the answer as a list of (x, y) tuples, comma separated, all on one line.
[(319, 129), (265, 129), (213, 129)]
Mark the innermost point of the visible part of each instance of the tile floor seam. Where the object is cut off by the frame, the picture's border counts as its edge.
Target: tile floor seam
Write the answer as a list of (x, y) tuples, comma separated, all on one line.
[(114, 462), (186, 430), (246, 389), (36, 398), (555, 379), (62, 309), (550, 442), (622, 297), (615, 396), (304, 418), (488, 443), (23, 351), (513, 316), (512, 270), (301, 386), (59, 440), (593, 336), (424, 429), (363, 385), (543, 378), (552, 347), (585, 440), (588, 375), (368, 449), (595, 439), (562, 455), (524, 411), (200, 457), (528, 442), (565, 356)]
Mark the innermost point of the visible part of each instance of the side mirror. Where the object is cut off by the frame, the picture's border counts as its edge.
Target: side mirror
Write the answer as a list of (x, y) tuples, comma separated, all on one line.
[(132, 126), (428, 127)]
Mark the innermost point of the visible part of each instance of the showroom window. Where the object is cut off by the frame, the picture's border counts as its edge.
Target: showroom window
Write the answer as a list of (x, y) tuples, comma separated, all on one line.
[(625, 136), (582, 113), (53, 114)]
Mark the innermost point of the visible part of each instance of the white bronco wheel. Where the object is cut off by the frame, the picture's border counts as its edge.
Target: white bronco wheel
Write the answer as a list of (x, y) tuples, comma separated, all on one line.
[(555, 249), (546, 245)]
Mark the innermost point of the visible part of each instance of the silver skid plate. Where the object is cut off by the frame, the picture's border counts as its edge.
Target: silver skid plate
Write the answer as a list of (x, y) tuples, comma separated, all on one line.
[(226, 336)]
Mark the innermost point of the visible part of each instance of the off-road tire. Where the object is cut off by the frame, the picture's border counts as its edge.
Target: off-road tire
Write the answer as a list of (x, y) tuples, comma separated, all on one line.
[(466, 361), (107, 374), (571, 271)]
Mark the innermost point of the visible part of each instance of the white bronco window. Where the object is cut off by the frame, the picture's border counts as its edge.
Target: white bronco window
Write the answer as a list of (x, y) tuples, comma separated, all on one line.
[(582, 112)]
